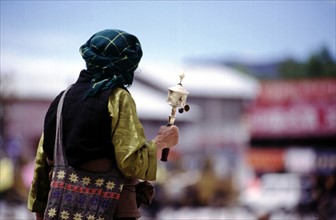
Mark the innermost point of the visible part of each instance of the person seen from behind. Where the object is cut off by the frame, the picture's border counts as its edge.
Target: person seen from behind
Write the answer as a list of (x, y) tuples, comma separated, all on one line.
[(101, 128)]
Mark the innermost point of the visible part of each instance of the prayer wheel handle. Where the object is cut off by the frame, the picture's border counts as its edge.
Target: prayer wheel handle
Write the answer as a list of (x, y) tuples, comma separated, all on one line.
[(165, 151)]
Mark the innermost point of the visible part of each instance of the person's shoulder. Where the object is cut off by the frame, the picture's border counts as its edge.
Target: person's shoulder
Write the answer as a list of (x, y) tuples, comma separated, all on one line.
[(120, 92), (120, 95)]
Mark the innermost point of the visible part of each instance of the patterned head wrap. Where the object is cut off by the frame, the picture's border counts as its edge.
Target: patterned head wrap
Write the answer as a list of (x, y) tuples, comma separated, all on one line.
[(111, 56)]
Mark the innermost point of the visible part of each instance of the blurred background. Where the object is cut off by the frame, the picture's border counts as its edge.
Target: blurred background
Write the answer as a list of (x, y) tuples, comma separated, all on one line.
[(260, 139)]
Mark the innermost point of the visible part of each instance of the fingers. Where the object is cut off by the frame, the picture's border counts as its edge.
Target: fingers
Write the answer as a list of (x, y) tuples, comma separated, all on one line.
[(173, 136), (167, 136), (167, 130)]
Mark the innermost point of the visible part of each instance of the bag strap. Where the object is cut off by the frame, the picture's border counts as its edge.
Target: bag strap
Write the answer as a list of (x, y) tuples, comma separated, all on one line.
[(59, 152)]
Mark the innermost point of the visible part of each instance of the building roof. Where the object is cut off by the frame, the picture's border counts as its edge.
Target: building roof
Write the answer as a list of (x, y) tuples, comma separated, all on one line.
[(202, 80)]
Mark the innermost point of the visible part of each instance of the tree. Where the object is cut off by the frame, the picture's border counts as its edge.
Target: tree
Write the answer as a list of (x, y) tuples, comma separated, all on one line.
[(319, 64)]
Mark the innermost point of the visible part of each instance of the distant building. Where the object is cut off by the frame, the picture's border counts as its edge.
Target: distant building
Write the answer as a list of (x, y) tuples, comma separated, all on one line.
[(215, 123), (219, 97), (293, 126)]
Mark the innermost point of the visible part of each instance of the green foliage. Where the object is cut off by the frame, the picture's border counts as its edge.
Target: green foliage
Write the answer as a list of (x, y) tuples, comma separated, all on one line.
[(320, 64)]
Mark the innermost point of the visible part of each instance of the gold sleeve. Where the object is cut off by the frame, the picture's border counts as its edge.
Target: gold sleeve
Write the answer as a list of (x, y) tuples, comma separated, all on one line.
[(38, 193), (136, 157)]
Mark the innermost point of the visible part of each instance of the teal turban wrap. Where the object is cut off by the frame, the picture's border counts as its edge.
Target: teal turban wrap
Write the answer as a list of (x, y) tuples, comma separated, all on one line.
[(111, 57)]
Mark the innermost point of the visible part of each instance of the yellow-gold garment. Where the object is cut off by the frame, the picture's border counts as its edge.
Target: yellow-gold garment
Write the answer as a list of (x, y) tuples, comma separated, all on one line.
[(135, 157)]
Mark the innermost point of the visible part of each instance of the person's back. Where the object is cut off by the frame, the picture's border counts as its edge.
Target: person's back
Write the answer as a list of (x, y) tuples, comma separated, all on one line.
[(86, 124), (101, 128)]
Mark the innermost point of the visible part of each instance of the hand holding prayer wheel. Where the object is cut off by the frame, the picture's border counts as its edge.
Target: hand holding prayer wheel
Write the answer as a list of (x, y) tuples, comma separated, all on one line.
[(177, 97)]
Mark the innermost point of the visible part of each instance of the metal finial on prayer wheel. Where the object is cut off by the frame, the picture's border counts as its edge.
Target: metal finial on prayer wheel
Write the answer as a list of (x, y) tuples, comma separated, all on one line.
[(181, 78)]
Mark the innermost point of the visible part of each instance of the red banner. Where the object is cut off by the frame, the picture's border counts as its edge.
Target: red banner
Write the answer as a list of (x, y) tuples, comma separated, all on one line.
[(294, 109), (289, 91), (293, 120)]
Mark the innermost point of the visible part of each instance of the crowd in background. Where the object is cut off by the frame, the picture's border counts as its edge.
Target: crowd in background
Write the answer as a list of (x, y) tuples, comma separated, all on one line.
[(177, 187)]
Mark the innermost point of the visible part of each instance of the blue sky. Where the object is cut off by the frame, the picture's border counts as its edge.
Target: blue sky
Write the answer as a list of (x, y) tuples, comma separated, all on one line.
[(38, 36), (172, 29)]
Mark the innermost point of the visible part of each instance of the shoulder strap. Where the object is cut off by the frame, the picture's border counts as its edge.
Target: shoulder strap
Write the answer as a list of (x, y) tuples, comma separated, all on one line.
[(59, 152)]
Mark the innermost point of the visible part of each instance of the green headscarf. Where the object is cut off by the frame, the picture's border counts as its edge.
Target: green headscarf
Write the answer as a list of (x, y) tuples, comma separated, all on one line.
[(111, 56)]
